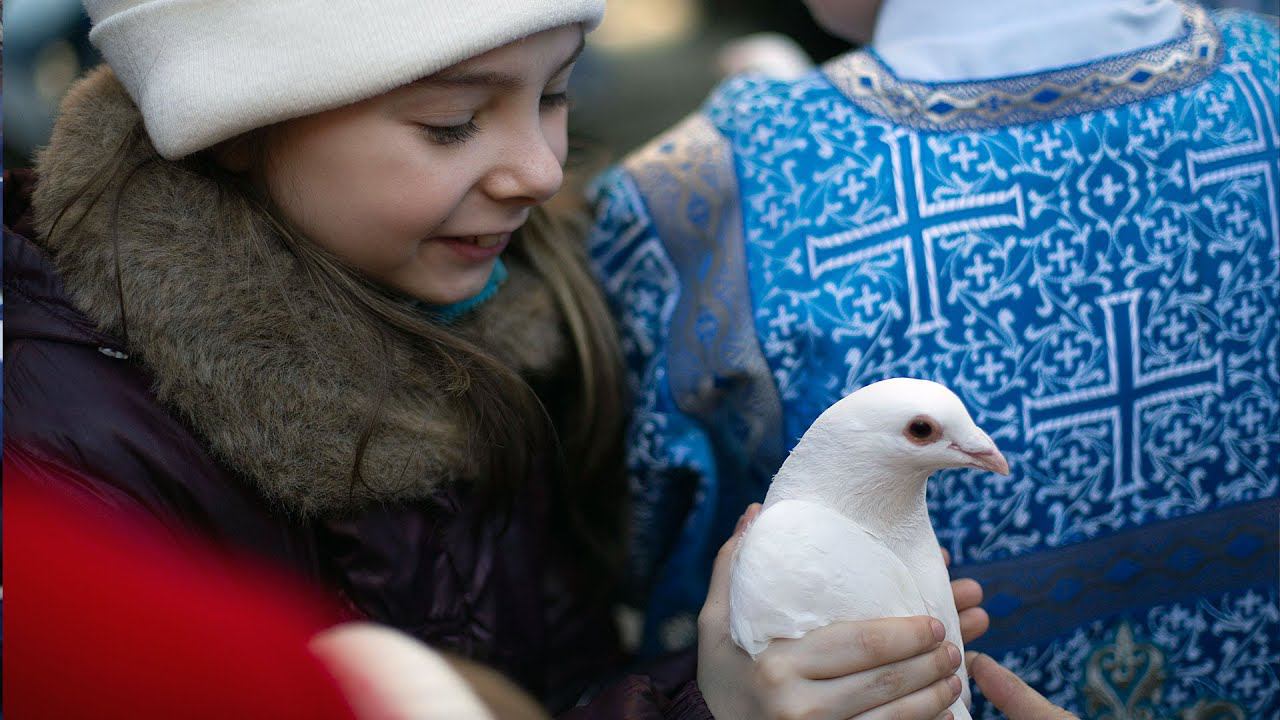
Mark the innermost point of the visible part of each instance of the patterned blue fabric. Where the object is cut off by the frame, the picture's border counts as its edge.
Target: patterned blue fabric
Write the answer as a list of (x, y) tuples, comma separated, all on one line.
[(1270, 7), (1097, 274)]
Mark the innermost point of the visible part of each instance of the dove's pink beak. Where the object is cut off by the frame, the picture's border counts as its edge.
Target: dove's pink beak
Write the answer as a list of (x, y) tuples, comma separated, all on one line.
[(989, 459), (986, 456)]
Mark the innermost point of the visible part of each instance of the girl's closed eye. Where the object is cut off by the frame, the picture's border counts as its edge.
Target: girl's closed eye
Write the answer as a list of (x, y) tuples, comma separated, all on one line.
[(451, 134), (462, 132), (555, 100)]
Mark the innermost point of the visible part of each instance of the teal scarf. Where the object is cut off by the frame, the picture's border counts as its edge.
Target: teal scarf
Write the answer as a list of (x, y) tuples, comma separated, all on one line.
[(448, 314)]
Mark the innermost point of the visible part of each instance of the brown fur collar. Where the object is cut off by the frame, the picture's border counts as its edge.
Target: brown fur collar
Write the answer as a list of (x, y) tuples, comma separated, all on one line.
[(241, 344)]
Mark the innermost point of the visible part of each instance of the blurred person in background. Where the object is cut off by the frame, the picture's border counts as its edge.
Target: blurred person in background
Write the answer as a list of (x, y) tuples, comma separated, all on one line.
[(1065, 212), (47, 49)]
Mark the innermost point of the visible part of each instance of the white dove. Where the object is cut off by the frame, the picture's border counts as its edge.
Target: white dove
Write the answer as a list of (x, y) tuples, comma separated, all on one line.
[(844, 533)]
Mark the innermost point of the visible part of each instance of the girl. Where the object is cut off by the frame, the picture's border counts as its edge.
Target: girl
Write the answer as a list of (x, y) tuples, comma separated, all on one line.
[(289, 286)]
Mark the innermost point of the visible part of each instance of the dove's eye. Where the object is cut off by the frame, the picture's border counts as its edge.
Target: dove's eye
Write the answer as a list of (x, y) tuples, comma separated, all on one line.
[(922, 430)]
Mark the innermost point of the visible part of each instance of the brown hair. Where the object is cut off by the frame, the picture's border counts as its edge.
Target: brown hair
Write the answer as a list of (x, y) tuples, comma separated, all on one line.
[(511, 429)]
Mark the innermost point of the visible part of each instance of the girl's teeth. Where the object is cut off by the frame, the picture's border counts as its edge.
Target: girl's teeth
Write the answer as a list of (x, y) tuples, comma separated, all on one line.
[(484, 241)]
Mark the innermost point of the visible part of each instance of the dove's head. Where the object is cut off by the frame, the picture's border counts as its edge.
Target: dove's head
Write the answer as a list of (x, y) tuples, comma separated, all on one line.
[(869, 455), (913, 426)]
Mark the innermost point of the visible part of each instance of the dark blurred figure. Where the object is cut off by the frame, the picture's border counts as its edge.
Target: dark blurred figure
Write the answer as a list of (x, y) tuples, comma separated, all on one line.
[(46, 47), (788, 17)]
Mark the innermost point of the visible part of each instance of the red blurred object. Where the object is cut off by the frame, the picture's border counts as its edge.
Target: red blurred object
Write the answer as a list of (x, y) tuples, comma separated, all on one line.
[(108, 617)]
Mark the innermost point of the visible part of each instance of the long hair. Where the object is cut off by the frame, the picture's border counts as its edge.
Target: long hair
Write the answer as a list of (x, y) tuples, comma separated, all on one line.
[(509, 428)]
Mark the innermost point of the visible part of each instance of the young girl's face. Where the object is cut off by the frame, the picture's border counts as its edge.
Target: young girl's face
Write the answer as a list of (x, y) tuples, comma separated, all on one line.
[(420, 188)]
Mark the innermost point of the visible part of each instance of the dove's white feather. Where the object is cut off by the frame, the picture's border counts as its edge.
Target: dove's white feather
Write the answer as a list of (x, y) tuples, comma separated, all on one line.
[(804, 549)]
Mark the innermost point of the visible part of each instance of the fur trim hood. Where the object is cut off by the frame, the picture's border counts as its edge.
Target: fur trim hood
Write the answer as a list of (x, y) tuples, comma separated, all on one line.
[(240, 341)]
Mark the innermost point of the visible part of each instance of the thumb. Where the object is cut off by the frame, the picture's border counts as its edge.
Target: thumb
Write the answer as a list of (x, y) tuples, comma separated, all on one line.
[(1007, 691), (718, 590)]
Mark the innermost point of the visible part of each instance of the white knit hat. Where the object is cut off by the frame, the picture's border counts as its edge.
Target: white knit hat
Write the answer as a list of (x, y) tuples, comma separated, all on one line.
[(203, 71)]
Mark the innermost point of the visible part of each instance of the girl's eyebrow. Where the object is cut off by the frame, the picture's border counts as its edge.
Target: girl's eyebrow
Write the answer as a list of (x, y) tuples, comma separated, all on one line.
[(489, 78)]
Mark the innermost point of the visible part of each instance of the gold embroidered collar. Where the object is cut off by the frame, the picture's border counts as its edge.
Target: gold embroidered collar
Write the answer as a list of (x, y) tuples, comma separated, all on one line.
[(865, 79)]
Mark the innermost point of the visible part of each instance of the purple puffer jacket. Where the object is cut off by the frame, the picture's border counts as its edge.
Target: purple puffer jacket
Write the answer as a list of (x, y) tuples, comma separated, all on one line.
[(427, 562)]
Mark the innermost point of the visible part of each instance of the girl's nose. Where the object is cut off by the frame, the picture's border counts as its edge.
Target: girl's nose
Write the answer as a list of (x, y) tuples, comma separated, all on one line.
[(529, 173)]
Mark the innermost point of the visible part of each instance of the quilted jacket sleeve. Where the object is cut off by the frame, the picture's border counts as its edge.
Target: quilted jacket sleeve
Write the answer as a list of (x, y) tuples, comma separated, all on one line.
[(662, 690)]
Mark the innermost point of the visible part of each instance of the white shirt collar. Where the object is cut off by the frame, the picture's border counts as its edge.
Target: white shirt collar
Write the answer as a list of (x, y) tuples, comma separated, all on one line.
[(956, 40)]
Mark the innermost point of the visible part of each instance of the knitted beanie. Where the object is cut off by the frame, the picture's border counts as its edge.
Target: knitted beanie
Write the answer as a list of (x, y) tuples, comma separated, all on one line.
[(202, 71)]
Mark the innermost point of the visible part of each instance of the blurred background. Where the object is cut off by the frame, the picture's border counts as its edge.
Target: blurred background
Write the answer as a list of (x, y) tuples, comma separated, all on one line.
[(650, 63)]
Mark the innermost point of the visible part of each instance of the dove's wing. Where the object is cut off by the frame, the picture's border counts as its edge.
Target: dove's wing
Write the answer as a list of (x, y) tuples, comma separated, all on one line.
[(935, 585), (801, 566)]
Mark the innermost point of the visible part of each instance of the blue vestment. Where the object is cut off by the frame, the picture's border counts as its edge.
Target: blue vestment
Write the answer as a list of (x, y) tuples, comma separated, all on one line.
[(1088, 256)]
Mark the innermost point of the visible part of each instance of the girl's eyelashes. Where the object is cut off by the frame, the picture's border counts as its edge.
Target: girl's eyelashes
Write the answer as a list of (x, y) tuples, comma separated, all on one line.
[(454, 134), (451, 134), (555, 100)]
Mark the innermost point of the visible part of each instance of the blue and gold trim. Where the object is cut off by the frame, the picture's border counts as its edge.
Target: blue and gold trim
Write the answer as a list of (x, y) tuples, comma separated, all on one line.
[(1163, 621), (1038, 597), (1126, 678), (1187, 59)]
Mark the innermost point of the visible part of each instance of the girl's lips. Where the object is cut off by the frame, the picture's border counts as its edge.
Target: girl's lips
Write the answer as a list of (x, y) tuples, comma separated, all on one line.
[(478, 247)]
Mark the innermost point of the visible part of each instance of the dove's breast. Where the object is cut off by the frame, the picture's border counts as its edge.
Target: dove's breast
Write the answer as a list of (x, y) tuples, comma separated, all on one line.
[(801, 566)]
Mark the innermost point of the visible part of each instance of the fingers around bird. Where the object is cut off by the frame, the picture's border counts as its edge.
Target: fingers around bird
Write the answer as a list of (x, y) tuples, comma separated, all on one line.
[(747, 517), (974, 623), (713, 619), (924, 703), (967, 593), (797, 701), (714, 616), (1009, 693), (844, 648), (863, 691)]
